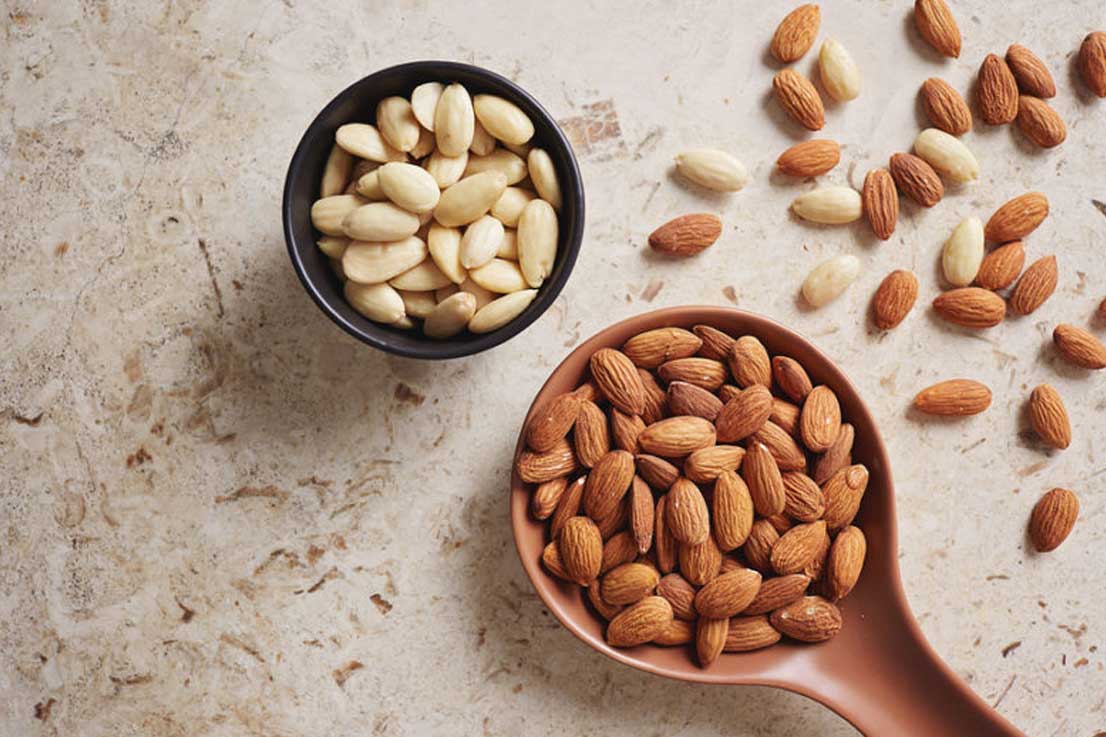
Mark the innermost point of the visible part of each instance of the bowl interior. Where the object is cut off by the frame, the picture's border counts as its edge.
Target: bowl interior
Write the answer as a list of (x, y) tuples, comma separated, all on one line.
[(357, 103), (867, 607)]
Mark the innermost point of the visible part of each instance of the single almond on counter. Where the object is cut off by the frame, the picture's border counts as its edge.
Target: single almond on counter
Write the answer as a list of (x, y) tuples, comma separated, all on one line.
[(937, 26), (894, 299), (971, 307), (686, 235), (962, 253), (945, 107), (1001, 267), (954, 398), (796, 33), (880, 201), (798, 97), (1079, 347), (713, 169), (997, 91), (829, 279), (1092, 62), (810, 619), (809, 158), (1035, 286), (829, 205), (1049, 417), (1030, 72), (916, 179), (1040, 123), (1017, 218), (1052, 519), (947, 154)]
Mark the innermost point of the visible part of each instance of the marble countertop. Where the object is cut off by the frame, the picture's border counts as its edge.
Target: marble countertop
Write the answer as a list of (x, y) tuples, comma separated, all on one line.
[(221, 515)]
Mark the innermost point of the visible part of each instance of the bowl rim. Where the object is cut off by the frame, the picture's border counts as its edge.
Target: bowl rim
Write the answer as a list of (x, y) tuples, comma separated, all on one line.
[(428, 349)]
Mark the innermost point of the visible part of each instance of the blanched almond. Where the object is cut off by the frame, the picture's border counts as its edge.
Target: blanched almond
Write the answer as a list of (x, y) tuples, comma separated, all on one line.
[(423, 277), (483, 296), (450, 316), (480, 242), (963, 253), (499, 276), (840, 76), (333, 245), (378, 302), (447, 170), (425, 146), (370, 263), (483, 143), (829, 279), (368, 186), (417, 303), (713, 169), (470, 198), (336, 173), (424, 101), (499, 312), (544, 176), (508, 247), (445, 248), (947, 154), (454, 121), (328, 213), (537, 241), (500, 159), (364, 140), (829, 205), (510, 204), (409, 186), (397, 123), (503, 119), (380, 221)]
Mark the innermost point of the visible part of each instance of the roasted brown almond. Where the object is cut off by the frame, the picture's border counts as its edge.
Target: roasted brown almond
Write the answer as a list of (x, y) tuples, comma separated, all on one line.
[(954, 398), (796, 33), (619, 548), (1092, 62), (732, 511), (809, 158), (798, 97), (1079, 347), (810, 619), (707, 464), (1053, 519), (1040, 123), (700, 563), (686, 235), (607, 483), (676, 632), (1035, 286), (1030, 72), (654, 347), (786, 415), (680, 594), (797, 547), (551, 560), (602, 608), (710, 638), (546, 497), (591, 434), (572, 500), (1001, 267), (744, 415), (688, 399), (758, 546), (537, 468), (749, 362), (846, 559), (727, 594), (820, 420), (762, 475), (1017, 218), (880, 201), (625, 430), (656, 400), (803, 497), (552, 422), (1049, 417), (641, 514), (937, 26), (702, 372), (750, 633), (676, 437), (838, 455), (657, 472), (789, 456), (716, 344), (945, 107), (997, 91), (665, 546), (791, 378), (628, 583), (687, 514), (777, 592), (894, 299), (971, 307), (640, 623), (581, 549), (916, 179), (618, 379), (843, 493)]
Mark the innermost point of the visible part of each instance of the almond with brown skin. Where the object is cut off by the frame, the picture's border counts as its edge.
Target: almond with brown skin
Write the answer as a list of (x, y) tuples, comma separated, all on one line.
[(749, 362), (1053, 519), (1092, 62), (551, 560), (997, 91), (916, 179), (781, 522), (552, 422), (686, 513), (589, 392), (1040, 123), (1016, 218), (640, 623), (777, 592), (744, 415), (657, 472), (581, 549), (716, 344), (803, 500), (816, 567), (688, 399), (686, 235), (676, 632), (537, 468), (843, 492), (700, 563), (602, 608), (618, 549), (568, 507), (707, 464), (1078, 346), (809, 158), (789, 456), (762, 476), (676, 437), (937, 26), (1001, 267), (846, 560), (617, 377), (971, 307), (758, 546), (1049, 417), (616, 521), (1030, 72), (786, 415), (641, 514), (591, 434), (894, 299), (727, 594), (945, 107), (880, 201), (665, 546), (607, 483), (710, 638), (702, 372), (625, 430), (791, 378), (837, 456), (810, 619), (546, 497), (656, 401), (654, 347), (796, 33), (798, 97), (628, 583), (797, 547), (732, 511), (730, 563), (1036, 285), (750, 633), (820, 420), (680, 594), (954, 398)]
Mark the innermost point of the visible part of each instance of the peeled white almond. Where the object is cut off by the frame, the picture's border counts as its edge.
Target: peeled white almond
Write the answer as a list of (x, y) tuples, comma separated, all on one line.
[(499, 312), (447, 170), (510, 204), (828, 205), (423, 277), (947, 154), (424, 101), (364, 140), (328, 213), (409, 186), (445, 248), (333, 245), (425, 146), (829, 279), (372, 263), (537, 241), (503, 119), (840, 75), (498, 275), (404, 323), (450, 316), (713, 169), (397, 124), (963, 253), (481, 242), (368, 186), (508, 248), (482, 141), (512, 165), (336, 173), (380, 221), (454, 122), (544, 176), (418, 304), (482, 296), (378, 302), (470, 198)]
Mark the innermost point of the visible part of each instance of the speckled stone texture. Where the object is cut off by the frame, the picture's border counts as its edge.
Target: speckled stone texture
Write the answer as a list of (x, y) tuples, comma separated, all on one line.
[(222, 516)]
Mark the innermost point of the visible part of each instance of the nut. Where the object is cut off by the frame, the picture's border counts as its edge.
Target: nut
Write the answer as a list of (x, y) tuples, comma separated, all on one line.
[(840, 76), (798, 97), (796, 33), (955, 397), (829, 205), (894, 299), (686, 235), (712, 169), (809, 158), (998, 91), (937, 26), (1053, 519), (962, 254), (945, 107), (947, 155), (829, 279)]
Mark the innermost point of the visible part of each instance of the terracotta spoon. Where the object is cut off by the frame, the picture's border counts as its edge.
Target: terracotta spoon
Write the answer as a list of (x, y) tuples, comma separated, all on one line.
[(879, 673)]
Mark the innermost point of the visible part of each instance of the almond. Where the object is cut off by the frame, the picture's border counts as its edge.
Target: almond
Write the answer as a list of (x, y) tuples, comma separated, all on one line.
[(803, 500), (628, 583), (710, 638), (654, 347), (954, 398), (536, 468), (680, 595), (1079, 347), (503, 119), (607, 483), (469, 199), (676, 632), (454, 121), (817, 565), (750, 633), (820, 420), (727, 594), (676, 437), (947, 154), (581, 549), (569, 506), (640, 623), (551, 559), (1040, 123), (971, 307), (546, 497), (1049, 417), (796, 33), (618, 549), (713, 169), (1001, 267), (745, 414), (618, 379), (880, 202), (797, 547), (997, 91), (836, 457), (602, 608), (749, 362), (894, 299), (846, 559), (656, 400), (762, 476), (809, 158), (705, 373), (716, 344), (810, 619), (797, 96), (688, 399), (625, 430), (543, 174), (758, 546), (591, 434), (789, 456), (791, 377), (843, 492), (1053, 519), (378, 302), (615, 521), (732, 511), (536, 240), (641, 514), (829, 205), (657, 472), (687, 514), (937, 26), (945, 107), (780, 522), (707, 464), (1030, 72), (731, 563), (665, 546), (839, 73), (962, 253), (686, 235), (1036, 285), (552, 422), (916, 179), (1092, 62), (1017, 218), (777, 592), (700, 563), (829, 279)]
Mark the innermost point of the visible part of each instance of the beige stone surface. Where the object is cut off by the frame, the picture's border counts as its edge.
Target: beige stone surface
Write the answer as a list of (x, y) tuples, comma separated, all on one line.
[(220, 515)]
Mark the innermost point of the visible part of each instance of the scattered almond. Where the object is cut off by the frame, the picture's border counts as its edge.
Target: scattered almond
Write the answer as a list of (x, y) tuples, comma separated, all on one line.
[(1035, 286), (916, 179), (962, 254), (945, 107), (1079, 347), (796, 33), (829, 279), (997, 91), (686, 235), (937, 26), (1001, 267), (713, 169), (1049, 417), (894, 299), (1017, 218), (1030, 72), (947, 154), (1052, 519), (1092, 62), (809, 158), (880, 201), (829, 205), (798, 97), (839, 73), (954, 397), (1040, 123), (971, 307)]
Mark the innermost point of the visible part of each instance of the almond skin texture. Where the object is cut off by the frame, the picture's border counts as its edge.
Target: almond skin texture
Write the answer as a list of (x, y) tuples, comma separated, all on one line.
[(762, 475), (810, 619), (777, 592), (1092, 62), (551, 559), (1030, 72), (581, 549), (688, 399), (749, 362), (894, 299), (791, 378), (954, 398), (797, 547), (654, 347), (707, 464), (546, 497), (758, 546), (702, 372), (591, 434), (809, 158), (607, 483), (625, 430), (843, 493), (789, 456), (1049, 417), (656, 401), (657, 472), (1053, 519), (727, 594), (1040, 123), (676, 437), (568, 507), (1079, 347), (665, 545), (641, 514), (803, 497), (796, 33), (1016, 218), (639, 623), (744, 415), (602, 608), (937, 26), (916, 179), (537, 468), (997, 91), (837, 457), (732, 511), (676, 632), (710, 638), (845, 561), (687, 514), (629, 583), (750, 633), (700, 563), (716, 344), (820, 420), (618, 379), (552, 423), (618, 549), (1036, 285), (945, 107), (880, 201), (798, 97), (686, 235), (971, 307), (1001, 267), (680, 594)]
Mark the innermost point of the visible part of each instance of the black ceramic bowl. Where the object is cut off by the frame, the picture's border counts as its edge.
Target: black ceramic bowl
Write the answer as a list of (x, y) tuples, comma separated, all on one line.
[(357, 103)]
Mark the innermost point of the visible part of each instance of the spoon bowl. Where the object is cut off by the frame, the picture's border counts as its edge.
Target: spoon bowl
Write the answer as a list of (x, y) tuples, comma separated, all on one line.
[(878, 673)]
